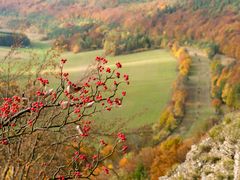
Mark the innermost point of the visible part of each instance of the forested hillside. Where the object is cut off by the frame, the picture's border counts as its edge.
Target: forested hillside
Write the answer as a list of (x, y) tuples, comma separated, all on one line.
[(215, 23)]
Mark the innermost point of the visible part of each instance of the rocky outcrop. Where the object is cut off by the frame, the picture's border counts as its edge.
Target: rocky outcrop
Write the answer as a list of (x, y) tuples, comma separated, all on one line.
[(216, 157)]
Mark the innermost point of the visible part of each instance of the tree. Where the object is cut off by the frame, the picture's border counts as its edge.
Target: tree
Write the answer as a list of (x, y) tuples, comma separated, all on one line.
[(168, 153), (216, 103), (49, 134), (111, 42)]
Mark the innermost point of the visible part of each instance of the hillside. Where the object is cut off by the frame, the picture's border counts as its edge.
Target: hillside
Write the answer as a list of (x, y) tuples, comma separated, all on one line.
[(214, 23)]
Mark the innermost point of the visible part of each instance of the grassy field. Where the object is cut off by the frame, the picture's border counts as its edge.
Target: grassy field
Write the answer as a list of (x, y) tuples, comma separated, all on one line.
[(151, 73)]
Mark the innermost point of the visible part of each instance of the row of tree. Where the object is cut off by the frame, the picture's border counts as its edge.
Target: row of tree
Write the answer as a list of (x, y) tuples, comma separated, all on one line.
[(174, 112), (114, 42)]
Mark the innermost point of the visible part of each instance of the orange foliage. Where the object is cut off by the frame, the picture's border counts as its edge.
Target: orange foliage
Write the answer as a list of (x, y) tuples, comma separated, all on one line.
[(75, 48), (107, 150), (216, 102), (158, 160), (169, 153), (123, 162)]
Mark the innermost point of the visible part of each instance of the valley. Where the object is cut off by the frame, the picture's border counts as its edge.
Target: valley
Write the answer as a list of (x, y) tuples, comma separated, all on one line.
[(119, 89)]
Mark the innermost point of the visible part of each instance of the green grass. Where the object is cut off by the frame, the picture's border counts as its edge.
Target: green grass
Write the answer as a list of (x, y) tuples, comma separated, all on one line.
[(40, 48), (40, 45), (151, 77)]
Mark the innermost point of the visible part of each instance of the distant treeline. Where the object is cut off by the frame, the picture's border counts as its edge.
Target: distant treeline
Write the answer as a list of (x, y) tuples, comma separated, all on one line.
[(10, 39), (122, 42), (113, 40)]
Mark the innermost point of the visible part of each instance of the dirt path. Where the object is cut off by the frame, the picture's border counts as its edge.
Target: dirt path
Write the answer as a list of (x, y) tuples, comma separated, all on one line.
[(198, 106)]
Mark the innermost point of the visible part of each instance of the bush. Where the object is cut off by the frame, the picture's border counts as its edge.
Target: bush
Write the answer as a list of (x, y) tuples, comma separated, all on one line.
[(9, 39), (205, 148), (140, 173), (212, 50)]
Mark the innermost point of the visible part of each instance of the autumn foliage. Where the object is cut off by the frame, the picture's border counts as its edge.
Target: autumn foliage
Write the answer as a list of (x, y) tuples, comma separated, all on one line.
[(190, 21), (156, 161), (226, 84)]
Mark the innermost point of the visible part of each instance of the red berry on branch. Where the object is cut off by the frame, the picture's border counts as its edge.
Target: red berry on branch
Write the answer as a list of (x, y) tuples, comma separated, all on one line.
[(119, 65)]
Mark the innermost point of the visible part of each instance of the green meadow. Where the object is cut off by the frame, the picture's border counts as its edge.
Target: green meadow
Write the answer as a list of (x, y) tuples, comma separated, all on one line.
[(151, 77)]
